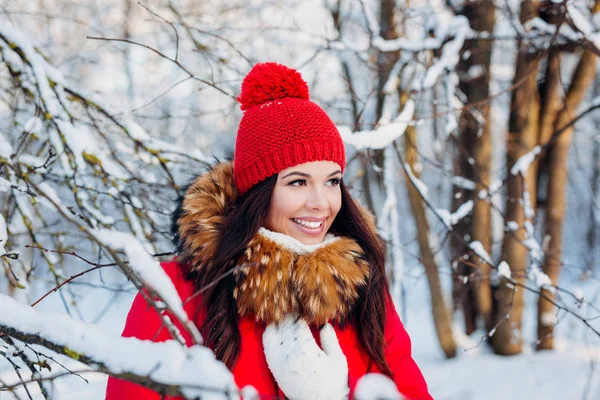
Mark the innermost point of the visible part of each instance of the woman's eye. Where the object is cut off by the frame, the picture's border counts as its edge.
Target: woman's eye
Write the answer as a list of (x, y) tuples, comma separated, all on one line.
[(334, 182), (298, 182)]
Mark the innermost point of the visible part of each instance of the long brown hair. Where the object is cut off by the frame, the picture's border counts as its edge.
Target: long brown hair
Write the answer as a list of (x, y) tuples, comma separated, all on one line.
[(220, 328)]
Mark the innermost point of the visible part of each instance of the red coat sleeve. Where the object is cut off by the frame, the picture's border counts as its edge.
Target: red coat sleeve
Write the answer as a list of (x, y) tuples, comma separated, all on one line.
[(143, 322), (406, 373)]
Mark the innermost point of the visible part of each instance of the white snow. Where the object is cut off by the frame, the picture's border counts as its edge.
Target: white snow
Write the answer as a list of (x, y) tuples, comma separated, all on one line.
[(95, 212), (504, 270), (375, 386), (195, 369), (382, 136), (150, 272), (527, 207), (453, 104), (463, 182), (32, 161), (419, 184), (452, 219), (136, 226), (250, 393), (539, 25), (536, 252), (403, 43), (33, 125), (3, 235), (475, 71), (372, 22), (52, 201), (459, 27), (541, 279), (495, 186), (548, 319), (5, 147), (512, 226), (477, 247), (5, 185), (522, 164), (578, 293), (581, 22)]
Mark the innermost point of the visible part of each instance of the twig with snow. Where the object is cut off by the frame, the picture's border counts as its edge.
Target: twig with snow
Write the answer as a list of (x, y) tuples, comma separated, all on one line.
[(166, 367), (382, 136), (151, 275), (540, 279)]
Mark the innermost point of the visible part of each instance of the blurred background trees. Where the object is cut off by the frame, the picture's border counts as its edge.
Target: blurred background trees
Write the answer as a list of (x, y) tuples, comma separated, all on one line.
[(471, 129)]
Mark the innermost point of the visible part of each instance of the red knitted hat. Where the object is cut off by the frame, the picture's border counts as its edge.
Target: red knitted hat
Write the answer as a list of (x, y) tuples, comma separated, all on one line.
[(281, 127)]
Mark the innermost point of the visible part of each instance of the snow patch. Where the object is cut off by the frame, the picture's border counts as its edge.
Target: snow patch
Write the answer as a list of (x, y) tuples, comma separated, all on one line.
[(452, 219), (5, 185), (578, 293), (3, 235), (419, 184), (504, 270), (5, 148), (477, 247), (384, 134), (374, 386), (512, 226), (522, 164), (548, 319)]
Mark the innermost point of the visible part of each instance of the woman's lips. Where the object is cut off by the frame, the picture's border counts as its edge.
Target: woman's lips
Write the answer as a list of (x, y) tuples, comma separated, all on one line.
[(308, 229)]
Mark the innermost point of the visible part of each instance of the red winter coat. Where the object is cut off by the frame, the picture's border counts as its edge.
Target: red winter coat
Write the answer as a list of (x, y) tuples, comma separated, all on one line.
[(143, 322), (273, 279)]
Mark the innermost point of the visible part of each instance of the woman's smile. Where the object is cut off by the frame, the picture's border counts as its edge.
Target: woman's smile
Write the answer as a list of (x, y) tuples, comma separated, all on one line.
[(309, 226)]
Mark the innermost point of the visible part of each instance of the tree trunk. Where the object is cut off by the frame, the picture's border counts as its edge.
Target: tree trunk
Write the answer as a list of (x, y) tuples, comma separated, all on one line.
[(592, 234), (475, 163), (551, 98), (557, 186), (385, 62), (522, 138), (441, 314)]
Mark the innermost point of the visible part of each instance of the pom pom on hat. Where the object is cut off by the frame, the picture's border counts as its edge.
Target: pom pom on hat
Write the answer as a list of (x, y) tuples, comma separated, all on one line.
[(271, 81)]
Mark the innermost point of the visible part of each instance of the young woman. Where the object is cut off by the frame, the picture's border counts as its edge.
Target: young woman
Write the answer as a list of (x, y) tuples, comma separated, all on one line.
[(294, 298)]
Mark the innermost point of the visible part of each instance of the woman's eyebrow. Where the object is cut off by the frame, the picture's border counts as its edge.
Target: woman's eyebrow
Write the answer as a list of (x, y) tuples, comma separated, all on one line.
[(297, 173), (308, 175)]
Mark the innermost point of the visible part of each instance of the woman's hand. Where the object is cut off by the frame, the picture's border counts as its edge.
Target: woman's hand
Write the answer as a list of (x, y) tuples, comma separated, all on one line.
[(301, 368)]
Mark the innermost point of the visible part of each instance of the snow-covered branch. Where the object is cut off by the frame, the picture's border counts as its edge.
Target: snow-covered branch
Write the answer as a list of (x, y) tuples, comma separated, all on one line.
[(166, 367), (382, 136), (79, 160), (153, 278)]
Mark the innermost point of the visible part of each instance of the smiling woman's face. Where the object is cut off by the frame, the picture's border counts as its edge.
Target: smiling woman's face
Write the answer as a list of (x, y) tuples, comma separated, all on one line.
[(305, 201)]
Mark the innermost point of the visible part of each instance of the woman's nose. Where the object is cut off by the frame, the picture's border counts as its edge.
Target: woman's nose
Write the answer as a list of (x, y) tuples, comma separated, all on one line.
[(317, 200)]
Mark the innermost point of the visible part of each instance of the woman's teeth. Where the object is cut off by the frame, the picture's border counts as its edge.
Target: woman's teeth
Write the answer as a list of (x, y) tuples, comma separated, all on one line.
[(308, 224)]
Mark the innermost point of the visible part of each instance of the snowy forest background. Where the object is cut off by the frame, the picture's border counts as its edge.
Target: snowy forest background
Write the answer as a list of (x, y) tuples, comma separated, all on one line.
[(471, 130)]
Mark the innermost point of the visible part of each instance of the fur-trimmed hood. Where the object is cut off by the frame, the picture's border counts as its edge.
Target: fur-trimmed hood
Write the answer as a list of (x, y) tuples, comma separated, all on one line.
[(276, 274)]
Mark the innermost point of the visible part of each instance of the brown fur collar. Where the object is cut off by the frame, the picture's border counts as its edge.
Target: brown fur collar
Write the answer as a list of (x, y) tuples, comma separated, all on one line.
[(272, 279)]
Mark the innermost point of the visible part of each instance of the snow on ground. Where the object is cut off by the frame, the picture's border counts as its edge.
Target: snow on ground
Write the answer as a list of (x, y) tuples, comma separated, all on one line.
[(479, 374)]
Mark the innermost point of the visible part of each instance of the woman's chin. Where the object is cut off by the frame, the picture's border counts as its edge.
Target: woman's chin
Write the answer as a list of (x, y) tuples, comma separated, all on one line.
[(310, 240)]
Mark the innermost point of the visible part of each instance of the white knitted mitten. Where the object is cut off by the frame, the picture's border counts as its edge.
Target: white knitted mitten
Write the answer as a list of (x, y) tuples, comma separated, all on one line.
[(302, 370)]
